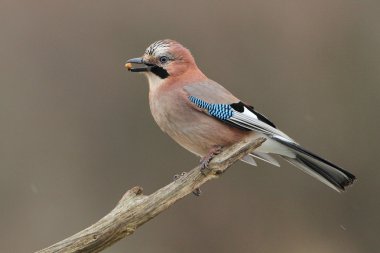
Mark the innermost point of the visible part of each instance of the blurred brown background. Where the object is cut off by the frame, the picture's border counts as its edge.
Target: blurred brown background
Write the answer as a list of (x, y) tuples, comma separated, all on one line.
[(76, 130)]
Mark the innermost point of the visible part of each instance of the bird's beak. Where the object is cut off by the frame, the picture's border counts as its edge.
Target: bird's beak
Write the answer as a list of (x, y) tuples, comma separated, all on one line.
[(130, 62)]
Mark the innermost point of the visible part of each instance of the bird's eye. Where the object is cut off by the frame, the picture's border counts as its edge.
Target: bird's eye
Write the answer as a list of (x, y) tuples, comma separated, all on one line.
[(164, 59)]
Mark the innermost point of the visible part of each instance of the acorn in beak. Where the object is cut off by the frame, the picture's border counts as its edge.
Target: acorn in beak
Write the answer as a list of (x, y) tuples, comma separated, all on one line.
[(130, 62)]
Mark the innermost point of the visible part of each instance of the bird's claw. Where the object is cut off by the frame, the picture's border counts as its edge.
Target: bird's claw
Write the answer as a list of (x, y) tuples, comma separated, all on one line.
[(197, 192), (205, 161), (204, 166)]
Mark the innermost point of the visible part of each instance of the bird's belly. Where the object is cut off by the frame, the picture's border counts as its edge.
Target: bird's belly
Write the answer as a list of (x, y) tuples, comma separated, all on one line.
[(199, 132)]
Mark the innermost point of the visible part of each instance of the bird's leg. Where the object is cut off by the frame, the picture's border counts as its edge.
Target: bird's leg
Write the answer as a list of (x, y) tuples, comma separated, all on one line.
[(197, 192), (204, 162)]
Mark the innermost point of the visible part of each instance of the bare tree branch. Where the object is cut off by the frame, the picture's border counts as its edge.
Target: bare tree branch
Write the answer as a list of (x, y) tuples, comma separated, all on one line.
[(134, 209)]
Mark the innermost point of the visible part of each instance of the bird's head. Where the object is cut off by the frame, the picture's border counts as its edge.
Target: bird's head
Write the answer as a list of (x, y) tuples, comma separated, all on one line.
[(162, 60)]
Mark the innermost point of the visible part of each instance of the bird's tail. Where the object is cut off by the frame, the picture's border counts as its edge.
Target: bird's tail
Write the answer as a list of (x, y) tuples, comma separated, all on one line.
[(325, 171)]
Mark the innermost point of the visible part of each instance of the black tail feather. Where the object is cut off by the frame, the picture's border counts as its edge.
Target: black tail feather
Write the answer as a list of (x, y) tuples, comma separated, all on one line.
[(318, 167), (339, 180)]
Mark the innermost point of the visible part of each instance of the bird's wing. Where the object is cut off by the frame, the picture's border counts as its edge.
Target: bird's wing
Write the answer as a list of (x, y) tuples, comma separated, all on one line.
[(219, 103), (223, 106)]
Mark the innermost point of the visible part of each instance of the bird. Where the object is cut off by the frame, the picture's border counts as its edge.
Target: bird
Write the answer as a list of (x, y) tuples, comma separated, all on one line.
[(204, 117)]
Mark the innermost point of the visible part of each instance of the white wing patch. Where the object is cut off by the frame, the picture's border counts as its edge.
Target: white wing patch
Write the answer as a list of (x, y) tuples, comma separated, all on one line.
[(249, 120), (248, 113)]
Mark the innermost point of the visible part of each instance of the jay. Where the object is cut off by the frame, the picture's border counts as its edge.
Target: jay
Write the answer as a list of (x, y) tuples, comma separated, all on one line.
[(203, 117)]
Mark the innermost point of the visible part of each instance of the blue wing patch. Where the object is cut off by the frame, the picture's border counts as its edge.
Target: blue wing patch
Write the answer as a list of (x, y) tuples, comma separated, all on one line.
[(220, 111), (239, 115)]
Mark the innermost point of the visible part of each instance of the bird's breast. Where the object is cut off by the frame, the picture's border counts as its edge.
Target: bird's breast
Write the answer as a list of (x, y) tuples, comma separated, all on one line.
[(168, 110)]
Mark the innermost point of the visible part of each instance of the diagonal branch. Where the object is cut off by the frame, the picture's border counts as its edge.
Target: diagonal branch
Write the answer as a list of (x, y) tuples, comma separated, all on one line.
[(135, 209)]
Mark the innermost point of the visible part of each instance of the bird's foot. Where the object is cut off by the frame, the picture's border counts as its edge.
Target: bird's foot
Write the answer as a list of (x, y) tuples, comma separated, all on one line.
[(205, 161), (197, 192)]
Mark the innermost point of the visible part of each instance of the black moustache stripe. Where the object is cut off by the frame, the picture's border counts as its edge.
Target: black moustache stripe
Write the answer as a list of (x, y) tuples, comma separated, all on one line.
[(159, 71)]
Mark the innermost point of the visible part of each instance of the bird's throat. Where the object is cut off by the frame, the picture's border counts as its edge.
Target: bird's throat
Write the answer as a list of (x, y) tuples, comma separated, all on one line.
[(154, 80)]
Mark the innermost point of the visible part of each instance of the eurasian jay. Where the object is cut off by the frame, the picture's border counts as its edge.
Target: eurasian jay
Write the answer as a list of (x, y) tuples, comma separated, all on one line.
[(203, 117)]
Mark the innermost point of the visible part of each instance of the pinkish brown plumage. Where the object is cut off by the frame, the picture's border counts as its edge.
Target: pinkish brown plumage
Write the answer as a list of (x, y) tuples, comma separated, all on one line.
[(202, 116)]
